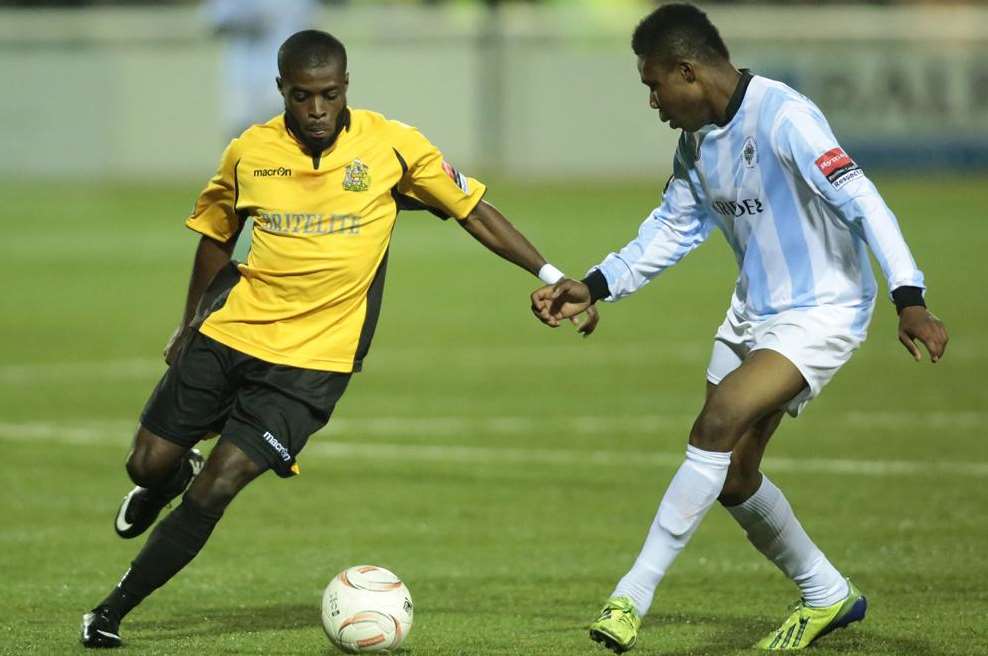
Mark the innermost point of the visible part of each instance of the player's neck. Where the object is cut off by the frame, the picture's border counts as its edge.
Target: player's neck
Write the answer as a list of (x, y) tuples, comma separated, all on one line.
[(725, 91)]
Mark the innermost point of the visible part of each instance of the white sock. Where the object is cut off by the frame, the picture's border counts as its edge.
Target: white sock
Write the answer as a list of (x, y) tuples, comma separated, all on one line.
[(693, 489), (774, 530)]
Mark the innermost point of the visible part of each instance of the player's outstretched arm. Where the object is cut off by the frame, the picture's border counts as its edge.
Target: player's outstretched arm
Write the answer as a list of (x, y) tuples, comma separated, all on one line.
[(918, 323), (211, 256), (492, 229)]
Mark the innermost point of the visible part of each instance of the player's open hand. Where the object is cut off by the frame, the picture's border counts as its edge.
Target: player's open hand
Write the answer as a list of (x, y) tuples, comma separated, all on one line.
[(564, 300), (917, 322)]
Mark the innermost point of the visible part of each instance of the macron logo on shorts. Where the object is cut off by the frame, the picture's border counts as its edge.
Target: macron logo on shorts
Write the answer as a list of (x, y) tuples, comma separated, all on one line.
[(277, 446)]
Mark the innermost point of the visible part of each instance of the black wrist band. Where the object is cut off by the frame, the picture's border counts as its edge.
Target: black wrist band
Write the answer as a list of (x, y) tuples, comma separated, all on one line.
[(904, 297), (597, 284)]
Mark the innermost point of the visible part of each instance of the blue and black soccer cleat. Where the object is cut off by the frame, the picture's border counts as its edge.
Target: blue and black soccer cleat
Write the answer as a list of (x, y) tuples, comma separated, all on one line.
[(806, 624)]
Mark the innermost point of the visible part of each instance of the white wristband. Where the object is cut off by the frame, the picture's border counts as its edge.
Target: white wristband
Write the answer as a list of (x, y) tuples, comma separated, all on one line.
[(550, 275)]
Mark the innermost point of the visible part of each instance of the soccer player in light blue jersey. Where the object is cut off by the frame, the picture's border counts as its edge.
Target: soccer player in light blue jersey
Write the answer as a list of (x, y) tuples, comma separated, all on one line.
[(758, 162)]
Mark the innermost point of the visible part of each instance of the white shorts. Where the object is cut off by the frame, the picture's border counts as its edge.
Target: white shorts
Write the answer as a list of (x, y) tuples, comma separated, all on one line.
[(818, 341)]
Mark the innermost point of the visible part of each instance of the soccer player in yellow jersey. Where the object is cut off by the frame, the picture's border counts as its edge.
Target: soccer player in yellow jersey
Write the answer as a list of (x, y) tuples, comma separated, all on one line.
[(266, 348)]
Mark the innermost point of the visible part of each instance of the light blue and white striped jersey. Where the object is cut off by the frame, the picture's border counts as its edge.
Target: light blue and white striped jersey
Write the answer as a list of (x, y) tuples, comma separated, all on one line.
[(796, 210)]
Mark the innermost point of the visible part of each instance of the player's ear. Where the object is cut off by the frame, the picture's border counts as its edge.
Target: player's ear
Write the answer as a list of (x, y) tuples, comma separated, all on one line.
[(277, 82), (346, 81), (687, 72)]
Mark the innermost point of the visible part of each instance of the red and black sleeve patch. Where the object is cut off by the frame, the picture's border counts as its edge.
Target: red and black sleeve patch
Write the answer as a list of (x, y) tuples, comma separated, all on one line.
[(838, 167)]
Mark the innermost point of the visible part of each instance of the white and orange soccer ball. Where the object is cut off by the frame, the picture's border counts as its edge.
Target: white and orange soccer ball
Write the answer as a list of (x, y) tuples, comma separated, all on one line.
[(366, 608)]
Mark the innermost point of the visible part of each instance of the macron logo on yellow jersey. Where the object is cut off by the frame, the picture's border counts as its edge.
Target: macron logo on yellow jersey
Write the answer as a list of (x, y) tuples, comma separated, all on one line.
[(280, 172)]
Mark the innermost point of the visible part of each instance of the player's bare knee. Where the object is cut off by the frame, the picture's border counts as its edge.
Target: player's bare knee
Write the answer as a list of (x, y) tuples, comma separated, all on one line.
[(717, 428), (217, 486), (213, 494), (137, 470), (152, 459), (143, 468)]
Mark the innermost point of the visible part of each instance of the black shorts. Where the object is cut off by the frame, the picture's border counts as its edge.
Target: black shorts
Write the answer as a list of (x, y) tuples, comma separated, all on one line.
[(268, 410)]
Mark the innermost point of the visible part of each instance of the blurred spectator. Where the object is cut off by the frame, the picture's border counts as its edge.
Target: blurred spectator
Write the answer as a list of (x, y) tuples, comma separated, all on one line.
[(252, 31)]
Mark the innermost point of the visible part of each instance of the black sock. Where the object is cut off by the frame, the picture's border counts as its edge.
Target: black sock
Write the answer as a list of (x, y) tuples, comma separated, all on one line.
[(173, 544)]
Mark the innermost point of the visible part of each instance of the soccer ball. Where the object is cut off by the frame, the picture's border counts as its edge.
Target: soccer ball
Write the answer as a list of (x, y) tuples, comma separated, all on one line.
[(366, 608)]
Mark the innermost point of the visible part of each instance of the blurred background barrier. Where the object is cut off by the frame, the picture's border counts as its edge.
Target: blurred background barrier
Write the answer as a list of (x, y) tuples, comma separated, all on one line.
[(526, 91)]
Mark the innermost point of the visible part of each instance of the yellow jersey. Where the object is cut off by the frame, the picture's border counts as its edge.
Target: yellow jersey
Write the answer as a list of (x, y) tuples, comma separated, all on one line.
[(310, 291)]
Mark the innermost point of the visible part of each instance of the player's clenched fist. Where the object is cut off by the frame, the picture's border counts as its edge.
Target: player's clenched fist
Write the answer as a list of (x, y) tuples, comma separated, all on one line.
[(565, 300), (541, 301)]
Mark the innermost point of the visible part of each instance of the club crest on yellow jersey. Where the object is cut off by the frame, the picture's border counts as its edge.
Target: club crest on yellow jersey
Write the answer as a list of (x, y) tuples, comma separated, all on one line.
[(356, 176)]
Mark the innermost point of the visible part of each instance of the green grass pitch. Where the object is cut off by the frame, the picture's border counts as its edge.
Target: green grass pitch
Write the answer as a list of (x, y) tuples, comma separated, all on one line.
[(506, 471)]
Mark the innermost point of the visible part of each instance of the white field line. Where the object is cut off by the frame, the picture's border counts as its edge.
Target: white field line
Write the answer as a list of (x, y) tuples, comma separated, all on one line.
[(629, 459), (116, 433), (93, 371), (561, 355), (632, 424)]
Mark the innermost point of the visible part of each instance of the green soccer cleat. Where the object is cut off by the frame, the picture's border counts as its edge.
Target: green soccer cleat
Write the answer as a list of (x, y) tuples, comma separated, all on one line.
[(806, 624), (617, 626)]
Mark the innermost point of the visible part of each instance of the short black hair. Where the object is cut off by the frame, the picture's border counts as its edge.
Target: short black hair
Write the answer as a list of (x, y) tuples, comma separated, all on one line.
[(309, 49), (676, 32)]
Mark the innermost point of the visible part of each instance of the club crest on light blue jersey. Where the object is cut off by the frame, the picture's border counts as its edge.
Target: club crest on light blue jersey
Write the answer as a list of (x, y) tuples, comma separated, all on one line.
[(749, 152)]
